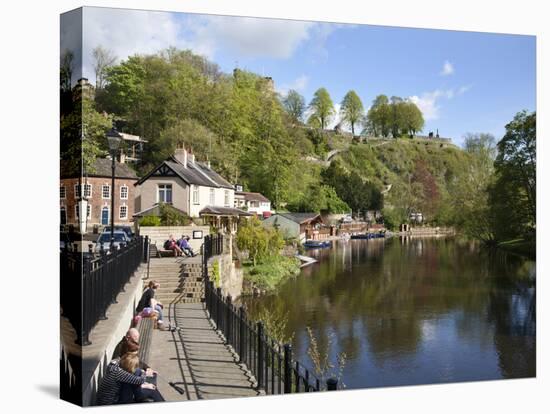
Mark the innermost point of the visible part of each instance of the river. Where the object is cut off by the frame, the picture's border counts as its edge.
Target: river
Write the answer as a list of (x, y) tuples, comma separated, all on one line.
[(413, 311)]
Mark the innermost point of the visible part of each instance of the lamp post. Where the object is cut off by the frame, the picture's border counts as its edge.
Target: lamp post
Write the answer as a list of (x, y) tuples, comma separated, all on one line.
[(114, 139)]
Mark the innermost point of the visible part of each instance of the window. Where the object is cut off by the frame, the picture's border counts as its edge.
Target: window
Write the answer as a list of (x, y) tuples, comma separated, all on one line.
[(124, 192), (105, 191), (165, 193), (62, 192), (87, 191), (63, 216), (123, 213), (212, 197), (195, 194), (88, 212), (226, 198)]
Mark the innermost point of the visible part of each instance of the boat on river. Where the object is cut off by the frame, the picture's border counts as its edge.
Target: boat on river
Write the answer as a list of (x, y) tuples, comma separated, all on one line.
[(317, 244), (368, 236)]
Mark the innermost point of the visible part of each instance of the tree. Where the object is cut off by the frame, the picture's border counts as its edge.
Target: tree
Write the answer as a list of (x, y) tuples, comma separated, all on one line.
[(380, 115), (412, 120), (513, 195), (352, 110), (470, 203), (429, 196), (260, 242), (103, 59), (295, 105), (322, 108)]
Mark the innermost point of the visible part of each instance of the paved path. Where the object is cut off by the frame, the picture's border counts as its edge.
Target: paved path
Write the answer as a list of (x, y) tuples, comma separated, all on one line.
[(195, 358)]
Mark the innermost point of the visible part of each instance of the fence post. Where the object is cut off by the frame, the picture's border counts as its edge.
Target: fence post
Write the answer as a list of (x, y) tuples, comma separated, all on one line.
[(242, 333), (288, 369), (86, 274), (146, 249), (228, 328), (332, 384), (219, 304), (260, 377)]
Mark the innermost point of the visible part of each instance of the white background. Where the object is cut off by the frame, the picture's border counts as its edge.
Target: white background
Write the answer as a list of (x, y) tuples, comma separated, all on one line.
[(29, 172)]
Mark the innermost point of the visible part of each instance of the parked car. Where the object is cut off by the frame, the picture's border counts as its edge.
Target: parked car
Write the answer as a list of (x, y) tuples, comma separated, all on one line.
[(104, 240), (125, 229)]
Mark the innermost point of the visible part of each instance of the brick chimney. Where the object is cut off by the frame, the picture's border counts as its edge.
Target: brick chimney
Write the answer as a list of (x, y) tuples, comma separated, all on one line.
[(181, 155)]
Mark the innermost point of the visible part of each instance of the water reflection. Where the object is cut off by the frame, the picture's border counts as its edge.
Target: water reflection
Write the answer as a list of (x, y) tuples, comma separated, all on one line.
[(415, 311)]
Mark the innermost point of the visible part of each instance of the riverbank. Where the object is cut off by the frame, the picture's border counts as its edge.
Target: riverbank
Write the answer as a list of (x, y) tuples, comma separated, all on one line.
[(269, 273), (522, 247)]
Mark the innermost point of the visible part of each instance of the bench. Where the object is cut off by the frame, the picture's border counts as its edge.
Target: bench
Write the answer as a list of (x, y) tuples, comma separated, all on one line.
[(145, 328)]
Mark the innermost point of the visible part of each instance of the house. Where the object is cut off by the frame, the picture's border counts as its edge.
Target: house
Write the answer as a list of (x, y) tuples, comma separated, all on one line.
[(132, 149), (255, 203), (295, 225), (186, 184), (95, 186)]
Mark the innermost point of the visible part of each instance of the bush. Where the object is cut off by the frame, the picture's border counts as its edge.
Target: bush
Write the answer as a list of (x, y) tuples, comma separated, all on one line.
[(170, 216), (150, 221), (259, 241), (273, 270)]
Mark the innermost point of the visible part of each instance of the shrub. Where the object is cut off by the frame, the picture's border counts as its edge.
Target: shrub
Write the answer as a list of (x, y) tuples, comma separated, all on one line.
[(150, 221), (170, 216)]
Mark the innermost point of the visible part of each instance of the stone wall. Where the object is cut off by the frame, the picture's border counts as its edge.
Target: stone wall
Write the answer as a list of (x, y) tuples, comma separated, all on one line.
[(106, 335), (231, 277), (160, 234)]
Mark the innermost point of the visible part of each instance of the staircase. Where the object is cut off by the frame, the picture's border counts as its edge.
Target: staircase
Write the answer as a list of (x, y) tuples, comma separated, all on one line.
[(180, 279)]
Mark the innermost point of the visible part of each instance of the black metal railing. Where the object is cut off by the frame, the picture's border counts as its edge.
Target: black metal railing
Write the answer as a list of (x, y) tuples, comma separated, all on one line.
[(271, 363), (90, 283)]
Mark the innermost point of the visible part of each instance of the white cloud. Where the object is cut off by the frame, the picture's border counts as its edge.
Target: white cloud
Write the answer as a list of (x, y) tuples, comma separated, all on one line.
[(299, 84), (248, 37), (129, 32), (428, 102), (126, 32), (448, 69)]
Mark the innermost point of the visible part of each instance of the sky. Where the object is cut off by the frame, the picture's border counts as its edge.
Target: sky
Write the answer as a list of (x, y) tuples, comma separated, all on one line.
[(463, 82)]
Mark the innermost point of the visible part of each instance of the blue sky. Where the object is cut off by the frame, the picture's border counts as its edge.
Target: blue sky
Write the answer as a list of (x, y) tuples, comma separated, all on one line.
[(462, 81)]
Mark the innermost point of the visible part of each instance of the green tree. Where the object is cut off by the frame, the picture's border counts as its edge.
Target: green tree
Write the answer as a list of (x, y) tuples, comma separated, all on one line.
[(470, 203), (260, 242), (322, 108), (295, 105), (352, 109), (513, 195), (379, 116)]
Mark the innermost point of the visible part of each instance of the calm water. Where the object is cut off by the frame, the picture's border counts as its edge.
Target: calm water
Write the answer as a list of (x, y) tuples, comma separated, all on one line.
[(414, 312)]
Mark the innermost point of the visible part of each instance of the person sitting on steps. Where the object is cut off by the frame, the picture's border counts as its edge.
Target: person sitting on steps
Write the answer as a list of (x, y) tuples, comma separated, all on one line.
[(148, 301), (184, 245), (172, 244), (145, 392)]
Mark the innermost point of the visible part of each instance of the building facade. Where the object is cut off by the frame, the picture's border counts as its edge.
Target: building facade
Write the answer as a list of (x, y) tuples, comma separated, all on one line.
[(255, 203), (186, 184), (95, 187)]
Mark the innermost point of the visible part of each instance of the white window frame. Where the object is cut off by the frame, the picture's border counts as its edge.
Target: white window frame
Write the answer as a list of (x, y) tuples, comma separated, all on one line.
[(86, 193), (165, 187), (103, 192), (226, 198), (127, 192), (212, 197), (196, 195), (125, 217), (62, 192), (77, 188)]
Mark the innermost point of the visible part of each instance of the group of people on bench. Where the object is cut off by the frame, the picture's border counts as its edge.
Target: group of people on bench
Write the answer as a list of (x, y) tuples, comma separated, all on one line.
[(180, 247), (127, 379)]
